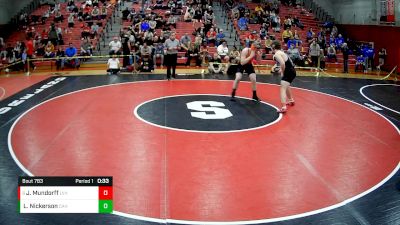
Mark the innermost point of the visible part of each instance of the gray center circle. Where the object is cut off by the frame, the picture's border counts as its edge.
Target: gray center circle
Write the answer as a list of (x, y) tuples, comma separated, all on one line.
[(207, 113)]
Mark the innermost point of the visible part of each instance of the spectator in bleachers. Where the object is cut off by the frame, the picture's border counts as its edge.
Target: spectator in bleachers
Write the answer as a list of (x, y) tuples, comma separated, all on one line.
[(332, 53), (152, 24), (87, 13), (188, 16), (321, 41), (86, 48), (382, 57), (201, 31), (185, 46), (211, 36), (219, 37), (294, 54), (198, 14), (234, 56), (145, 53), (125, 13), (86, 30), (310, 35), (360, 64), (339, 42), (251, 37), (198, 41), (297, 38), (58, 17), (49, 50), (94, 30), (115, 46), (263, 32), (223, 52), (71, 21), (95, 3), (88, 3), (103, 12), (70, 5), (53, 36), (193, 53), (268, 44), (242, 23), (287, 23), (95, 14), (185, 39), (287, 35), (158, 53), (334, 31), (171, 21), (69, 53), (314, 53), (298, 23), (40, 49), (159, 4)]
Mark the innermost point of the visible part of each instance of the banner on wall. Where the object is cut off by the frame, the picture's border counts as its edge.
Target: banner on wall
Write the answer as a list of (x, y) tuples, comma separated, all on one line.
[(388, 11)]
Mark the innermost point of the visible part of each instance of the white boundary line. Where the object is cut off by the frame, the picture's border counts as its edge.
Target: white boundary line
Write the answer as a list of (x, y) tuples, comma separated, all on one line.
[(4, 93), (201, 131), (376, 103), (165, 221)]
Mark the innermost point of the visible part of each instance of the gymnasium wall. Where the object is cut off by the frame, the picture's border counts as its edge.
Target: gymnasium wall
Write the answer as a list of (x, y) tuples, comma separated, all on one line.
[(366, 12), (9, 8), (383, 37)]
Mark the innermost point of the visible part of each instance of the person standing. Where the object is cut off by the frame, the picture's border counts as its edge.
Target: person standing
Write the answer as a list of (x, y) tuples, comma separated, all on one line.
[(29, 52), (171, 56), (288, 74), (345, 52), (246, 64), (315, 50)]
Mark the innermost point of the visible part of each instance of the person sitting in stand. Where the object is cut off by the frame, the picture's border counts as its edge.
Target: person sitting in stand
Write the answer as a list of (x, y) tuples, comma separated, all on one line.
[(145, 53), (125, 13), (94, 30), (60, 54), (115, 46), (49, 50), (103, 12), (332, 53), (220, 37), (310, 35), (95, 13), (193, 53), (339, 42), (71, 21), (158, 53), (58, 17), (171, 21), (85, 30), (251, 38), (86, 48), (211, 36), (223, 52), (71, 52), (360, 64)]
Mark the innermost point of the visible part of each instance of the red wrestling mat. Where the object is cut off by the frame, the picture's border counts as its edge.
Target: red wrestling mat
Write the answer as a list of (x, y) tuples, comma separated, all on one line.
[(324, 151), (14, 84)]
